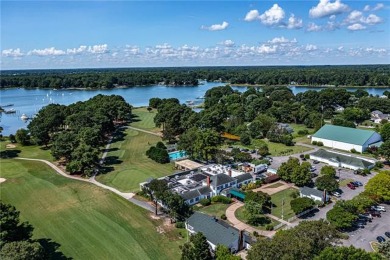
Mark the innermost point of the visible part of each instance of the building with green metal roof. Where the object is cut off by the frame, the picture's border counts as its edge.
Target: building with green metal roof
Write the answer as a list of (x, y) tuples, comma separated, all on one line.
[(346, 138)]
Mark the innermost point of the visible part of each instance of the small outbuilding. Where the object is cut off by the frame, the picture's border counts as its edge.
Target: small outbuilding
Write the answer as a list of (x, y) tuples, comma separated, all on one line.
[(314, 194)]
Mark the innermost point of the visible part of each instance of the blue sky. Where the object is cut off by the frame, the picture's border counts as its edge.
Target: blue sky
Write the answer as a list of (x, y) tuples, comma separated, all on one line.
[(77, 34)]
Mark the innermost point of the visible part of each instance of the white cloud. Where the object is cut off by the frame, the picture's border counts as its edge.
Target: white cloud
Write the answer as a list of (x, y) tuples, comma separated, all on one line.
[(357, 17), (312, 27), (273, 16), (267, 49), (47, 52), (327, 8), (78, 50), (216, 27), (356, 27), (252, 15), (282, 40), (98, 49), (340, 48), (373, 50), (12, 53), (132, 50), (294, 22), (377, 7), (372, 19), (228, 43), (311, 47)]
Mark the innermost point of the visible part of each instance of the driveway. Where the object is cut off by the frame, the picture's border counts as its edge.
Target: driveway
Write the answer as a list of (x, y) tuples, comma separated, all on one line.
[(361, 237)]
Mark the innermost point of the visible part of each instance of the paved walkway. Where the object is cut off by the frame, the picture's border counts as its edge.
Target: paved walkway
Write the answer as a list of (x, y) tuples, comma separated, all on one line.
[(145, 131), (242, 226), (278, 219)]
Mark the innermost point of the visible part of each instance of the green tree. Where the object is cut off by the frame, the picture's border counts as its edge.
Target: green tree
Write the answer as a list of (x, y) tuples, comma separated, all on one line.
[(384, 150), (178, 209), (340, 217), (384, 249), (299, 205), (328, 170), (11, 229), (63, 145), (22, 250), (242, 157), (301, 175), (286, 170), (197, 249), (255, 202), (304, 241), (245, 138), (379, 185), (85, 160), (157, 191), (327, 182), (223, 253), (385, 132), (346, 253), (22, 136)]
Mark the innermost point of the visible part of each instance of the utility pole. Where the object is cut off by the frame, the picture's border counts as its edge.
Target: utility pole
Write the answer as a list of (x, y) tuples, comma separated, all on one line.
[(282, 208)]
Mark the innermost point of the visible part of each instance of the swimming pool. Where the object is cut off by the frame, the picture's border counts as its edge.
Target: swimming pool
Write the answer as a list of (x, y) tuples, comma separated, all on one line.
[(173, 156)]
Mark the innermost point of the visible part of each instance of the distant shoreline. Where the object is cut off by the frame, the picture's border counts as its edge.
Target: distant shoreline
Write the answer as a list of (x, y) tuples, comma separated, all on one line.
[(303, 86)]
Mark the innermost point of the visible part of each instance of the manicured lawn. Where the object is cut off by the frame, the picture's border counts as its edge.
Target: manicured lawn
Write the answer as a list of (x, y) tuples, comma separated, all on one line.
[(241, 215), (298, 127), (30, 151), (87, 221), (130, 165), (278, 149), (282, 197), (144, 119), (216, 209)]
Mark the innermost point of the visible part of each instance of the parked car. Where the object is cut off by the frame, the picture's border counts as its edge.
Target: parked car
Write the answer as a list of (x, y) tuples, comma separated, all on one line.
[(364, 219), (313, 169), (366, 215), (336, 194), (358, 183), (354, 184), (375, 213), (268, 158), (387, 234), (316, 162), (380, 239), (359, 225), (253, 151), (378, 208), (351, 186)]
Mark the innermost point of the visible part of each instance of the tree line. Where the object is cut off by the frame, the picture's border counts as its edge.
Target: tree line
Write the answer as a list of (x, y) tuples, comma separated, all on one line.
[(257, 113), (76, 132), (357, 75)]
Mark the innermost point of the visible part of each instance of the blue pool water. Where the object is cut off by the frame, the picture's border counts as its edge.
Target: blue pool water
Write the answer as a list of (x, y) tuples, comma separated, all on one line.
[(173, 156)]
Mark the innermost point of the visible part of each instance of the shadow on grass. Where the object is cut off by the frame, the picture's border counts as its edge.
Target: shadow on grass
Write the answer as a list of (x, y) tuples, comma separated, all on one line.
[(7, 154), (134, 118), (51, 249), (105, 169), (110, 150), (119, 135), (111, 160)]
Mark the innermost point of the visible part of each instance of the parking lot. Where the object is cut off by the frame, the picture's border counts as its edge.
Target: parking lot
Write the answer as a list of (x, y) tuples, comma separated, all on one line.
[(362, 237)]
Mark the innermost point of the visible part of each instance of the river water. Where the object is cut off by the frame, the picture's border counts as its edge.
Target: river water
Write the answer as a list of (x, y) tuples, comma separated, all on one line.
[(30, 101)]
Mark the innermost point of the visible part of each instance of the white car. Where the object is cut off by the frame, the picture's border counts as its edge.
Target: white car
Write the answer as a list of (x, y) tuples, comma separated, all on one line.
[(336, 194), (379, 208)]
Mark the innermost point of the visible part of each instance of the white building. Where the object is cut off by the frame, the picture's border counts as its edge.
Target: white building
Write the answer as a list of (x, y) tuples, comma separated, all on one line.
[(346, 138)]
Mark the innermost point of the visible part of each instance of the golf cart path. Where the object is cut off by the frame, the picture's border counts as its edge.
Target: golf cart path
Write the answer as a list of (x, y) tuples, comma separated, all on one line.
[(144, 131), (91, 180)]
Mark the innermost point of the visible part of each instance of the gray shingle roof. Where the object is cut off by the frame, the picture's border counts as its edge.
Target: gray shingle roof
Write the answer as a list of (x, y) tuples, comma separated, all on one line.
[(196, 193), (221, 179), (216, 231), (345, 159), (307, 191), (244, 177)]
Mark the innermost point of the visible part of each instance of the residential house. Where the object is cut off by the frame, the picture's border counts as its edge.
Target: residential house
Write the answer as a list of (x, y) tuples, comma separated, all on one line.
[(314, 194), (377, 116), (217, 232)]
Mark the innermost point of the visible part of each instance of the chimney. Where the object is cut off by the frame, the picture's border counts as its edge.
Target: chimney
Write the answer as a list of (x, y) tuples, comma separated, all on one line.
[(240, 240), (230, 172), (208, 181)]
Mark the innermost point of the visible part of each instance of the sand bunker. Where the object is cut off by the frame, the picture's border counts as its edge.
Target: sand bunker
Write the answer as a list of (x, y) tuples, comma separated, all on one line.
[(2, 180), (10, 146)]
